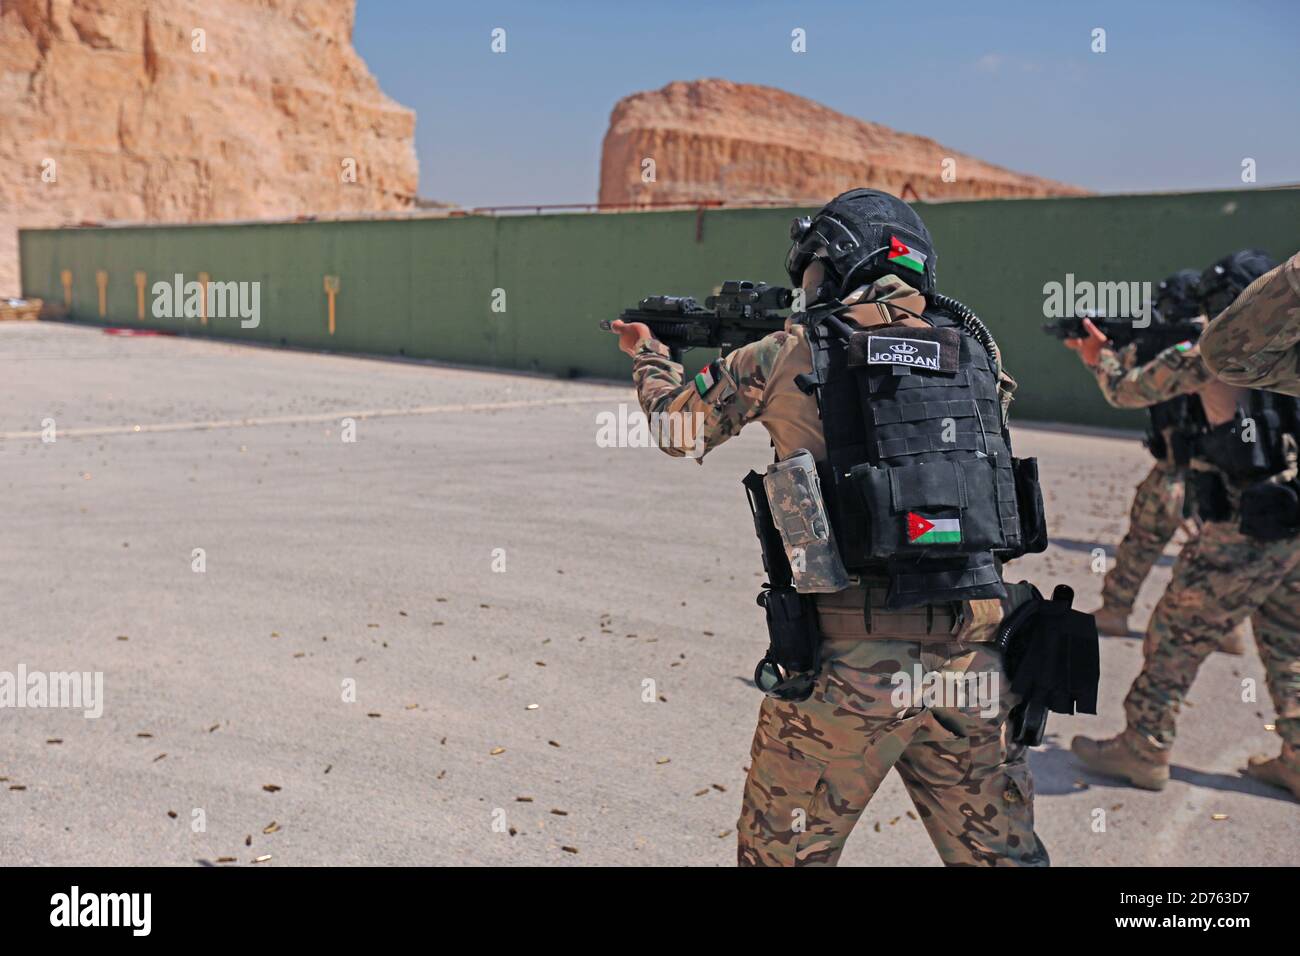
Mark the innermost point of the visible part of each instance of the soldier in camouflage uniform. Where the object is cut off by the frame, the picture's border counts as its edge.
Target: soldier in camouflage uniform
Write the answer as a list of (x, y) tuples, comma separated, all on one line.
[(1255, 342), (1158, 510), (817, 763), (1156, 514), (1220, 578)]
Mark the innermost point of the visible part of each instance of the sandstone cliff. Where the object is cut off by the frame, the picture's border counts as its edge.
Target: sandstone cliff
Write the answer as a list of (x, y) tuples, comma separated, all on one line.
[(185, 110), (713, 139)]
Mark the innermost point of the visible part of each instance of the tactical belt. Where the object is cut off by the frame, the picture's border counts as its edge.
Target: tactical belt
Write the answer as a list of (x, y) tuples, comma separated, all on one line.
[(859, 613)]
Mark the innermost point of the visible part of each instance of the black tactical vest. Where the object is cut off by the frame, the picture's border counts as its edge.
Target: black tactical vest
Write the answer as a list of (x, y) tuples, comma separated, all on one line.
[(1246, 451), (919, 479), (1173, 424), (1172, 428)]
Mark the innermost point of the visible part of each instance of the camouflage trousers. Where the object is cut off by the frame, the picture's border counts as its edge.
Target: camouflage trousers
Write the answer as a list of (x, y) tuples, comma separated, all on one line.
[(816, 764), (1155, 516), (1221, 578)]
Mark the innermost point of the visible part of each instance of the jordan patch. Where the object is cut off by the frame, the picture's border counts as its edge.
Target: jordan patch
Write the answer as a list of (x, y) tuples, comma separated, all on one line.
[(895, 350)]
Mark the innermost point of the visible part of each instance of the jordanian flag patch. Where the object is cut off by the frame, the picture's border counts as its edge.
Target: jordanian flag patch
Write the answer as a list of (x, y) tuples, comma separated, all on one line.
[(900, 253), (707, 378), (923, 530)]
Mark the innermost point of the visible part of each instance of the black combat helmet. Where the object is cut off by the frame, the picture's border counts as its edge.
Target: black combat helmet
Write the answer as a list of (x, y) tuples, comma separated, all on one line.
[(860, 236), (1222, 282), (1175, 299)]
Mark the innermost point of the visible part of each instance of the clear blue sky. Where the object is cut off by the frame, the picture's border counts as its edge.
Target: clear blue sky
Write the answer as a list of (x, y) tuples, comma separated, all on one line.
[(1184, 91)]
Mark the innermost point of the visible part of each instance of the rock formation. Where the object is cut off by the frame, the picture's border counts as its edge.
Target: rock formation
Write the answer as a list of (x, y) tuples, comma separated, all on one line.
[(190, 110), (713, 139)]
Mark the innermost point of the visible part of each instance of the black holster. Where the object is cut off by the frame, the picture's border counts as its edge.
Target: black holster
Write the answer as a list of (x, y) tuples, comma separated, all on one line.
[(1211, 495), (794, 639), (1052, 655), (1155, 443), (1181, 446)]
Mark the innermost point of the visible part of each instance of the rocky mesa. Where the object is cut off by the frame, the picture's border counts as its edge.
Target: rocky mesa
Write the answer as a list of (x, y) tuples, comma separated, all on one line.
[(738, 142), (190, 110)]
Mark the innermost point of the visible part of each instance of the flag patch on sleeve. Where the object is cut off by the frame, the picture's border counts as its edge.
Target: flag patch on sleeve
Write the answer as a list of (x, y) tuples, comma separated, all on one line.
[(708, 376), (1184, 346)]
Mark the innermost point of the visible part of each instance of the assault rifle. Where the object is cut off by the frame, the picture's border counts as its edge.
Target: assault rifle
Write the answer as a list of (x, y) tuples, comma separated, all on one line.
[(1152, 339), (742, 312)]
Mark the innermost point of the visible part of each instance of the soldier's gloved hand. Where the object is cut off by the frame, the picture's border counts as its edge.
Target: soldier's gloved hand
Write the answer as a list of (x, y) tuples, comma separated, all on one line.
[(629, 334), (1089, 349)]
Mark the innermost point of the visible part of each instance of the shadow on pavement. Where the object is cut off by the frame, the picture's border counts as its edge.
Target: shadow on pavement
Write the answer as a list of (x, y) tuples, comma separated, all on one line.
[(1072, 544), (1230, 783), (1056, 771)]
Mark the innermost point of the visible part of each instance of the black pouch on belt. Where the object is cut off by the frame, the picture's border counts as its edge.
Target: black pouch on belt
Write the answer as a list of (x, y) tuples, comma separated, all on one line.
[(1270, 511)]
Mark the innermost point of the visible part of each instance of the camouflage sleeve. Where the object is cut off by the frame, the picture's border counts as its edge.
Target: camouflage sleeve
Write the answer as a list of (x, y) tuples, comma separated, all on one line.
[(694, 415), (1006, 393), (1255, 342), (1178, 370)]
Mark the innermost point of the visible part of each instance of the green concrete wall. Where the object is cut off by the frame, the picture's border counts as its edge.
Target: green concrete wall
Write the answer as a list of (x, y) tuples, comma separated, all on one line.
[(424, 288)]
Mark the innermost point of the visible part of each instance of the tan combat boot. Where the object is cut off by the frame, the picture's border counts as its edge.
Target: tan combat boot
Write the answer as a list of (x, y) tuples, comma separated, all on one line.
[(1234, 642), (1280, 771), (1112, 620), (1127, 756)]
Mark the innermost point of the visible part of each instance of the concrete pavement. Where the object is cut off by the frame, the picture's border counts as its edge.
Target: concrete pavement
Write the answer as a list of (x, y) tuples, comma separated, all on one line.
[(431, 645)]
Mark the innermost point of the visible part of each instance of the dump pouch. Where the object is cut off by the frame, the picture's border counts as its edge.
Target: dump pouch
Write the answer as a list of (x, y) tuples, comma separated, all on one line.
[(1051, 653)]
